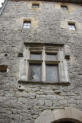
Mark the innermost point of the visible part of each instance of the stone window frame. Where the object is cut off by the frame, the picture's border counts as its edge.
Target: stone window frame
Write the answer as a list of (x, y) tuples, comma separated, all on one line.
[(28, 21), (71, 23), (36, 8), (37, 4), (62, 63), (64, 7)]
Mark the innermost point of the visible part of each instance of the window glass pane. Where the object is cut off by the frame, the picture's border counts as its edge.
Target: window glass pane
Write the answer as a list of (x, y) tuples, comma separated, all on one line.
[(71, 26), (52, 73), (27, 24), (3, 68), (35, 56), (35, 72), (51, 57)]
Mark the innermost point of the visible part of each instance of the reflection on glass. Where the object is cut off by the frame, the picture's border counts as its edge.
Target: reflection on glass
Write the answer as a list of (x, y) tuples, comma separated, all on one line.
[(35, 72), (52, 73)]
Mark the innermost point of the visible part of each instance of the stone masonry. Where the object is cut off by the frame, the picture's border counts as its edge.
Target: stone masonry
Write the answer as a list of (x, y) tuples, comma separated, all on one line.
[(49, 25)]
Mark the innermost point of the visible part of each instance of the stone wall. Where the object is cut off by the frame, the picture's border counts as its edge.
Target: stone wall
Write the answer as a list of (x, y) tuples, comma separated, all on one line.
[(49, 25)]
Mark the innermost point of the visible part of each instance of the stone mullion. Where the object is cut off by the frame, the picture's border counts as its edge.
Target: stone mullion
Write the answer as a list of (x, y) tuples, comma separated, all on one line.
[(43, 65), (27, 66)]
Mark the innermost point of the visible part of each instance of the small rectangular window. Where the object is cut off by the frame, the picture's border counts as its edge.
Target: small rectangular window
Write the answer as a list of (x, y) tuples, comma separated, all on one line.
[(35, 5), (52, 72), (3, 68), (64, 7), (35, 72), (26, 24), (35, 56), (72, 26)]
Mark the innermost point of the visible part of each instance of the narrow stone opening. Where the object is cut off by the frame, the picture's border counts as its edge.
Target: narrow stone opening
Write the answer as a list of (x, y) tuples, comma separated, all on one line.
[(26, 24), (64, 7), (72, 25), (3, 68), (35, 5)]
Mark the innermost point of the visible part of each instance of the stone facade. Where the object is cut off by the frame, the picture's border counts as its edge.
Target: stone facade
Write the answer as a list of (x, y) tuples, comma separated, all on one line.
[(49, 24)]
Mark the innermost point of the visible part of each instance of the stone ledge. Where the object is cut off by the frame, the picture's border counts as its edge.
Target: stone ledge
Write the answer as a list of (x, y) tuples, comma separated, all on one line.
[(46, 82), (45, 43)]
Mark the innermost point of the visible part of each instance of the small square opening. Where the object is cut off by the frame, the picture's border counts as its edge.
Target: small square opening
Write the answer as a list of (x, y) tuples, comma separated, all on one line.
[(3, 68), (26, 24), (35, 5), (64, 7), (71, 26)]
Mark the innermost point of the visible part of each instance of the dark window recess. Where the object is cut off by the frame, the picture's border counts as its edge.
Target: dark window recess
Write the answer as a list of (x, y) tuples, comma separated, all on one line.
[(64, 121), (71, 26), (51, 57), (35, 56), (5, 54), (3, 68), (35, 5), (64, 7), (35, 72), (67, 57), (52, 72), (26, 24), (20, 54)]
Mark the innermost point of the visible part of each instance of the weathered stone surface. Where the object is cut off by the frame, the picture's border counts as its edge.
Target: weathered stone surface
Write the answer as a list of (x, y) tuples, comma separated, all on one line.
[(49, 25), (49, 116)]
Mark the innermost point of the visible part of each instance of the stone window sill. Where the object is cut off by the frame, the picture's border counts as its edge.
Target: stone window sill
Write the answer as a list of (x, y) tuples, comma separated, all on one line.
[(43, 82)]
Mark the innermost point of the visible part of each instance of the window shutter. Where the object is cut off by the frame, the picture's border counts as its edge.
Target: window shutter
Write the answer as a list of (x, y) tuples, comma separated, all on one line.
[(23, 70), (63, 72)]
